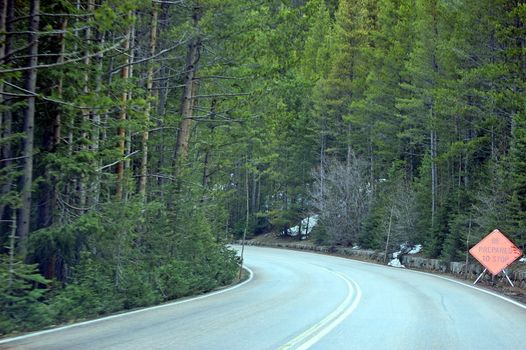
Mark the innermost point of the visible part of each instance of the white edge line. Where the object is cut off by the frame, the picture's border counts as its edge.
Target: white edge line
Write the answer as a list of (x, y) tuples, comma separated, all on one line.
[(516, 303), (509, 300), (35, 334)]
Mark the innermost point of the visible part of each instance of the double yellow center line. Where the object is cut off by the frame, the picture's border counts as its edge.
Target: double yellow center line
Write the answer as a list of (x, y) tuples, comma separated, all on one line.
[(316, 332)]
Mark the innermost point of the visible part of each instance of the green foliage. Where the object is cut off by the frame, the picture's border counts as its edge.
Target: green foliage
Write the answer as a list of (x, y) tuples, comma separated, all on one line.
[(92, 292), (455, 246), (176, 279), (127, 256), (62, 244), (22, 296), (319, 235), (518, 177), (373, 233)]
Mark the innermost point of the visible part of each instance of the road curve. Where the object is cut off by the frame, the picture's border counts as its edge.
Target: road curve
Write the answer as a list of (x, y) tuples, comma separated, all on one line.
[(299, 300)]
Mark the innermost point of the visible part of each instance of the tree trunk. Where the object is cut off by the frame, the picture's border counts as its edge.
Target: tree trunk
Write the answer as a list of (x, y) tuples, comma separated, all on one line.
[(163, 90), (3, 15), (253, 204), (86, 113), (322, 154), (433, 135), (60, 87), (149, 87), (96, 134), (50, 188), (121, 132), (206, 170), (29, 124), (434, 182), (7, 13), (349, 148), (206, 162), (247, 217), (129, 139), (388, 233), (521, 43), (189, 92)]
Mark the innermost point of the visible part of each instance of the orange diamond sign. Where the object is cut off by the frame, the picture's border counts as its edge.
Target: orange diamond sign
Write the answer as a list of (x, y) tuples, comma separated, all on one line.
[(495, 252)]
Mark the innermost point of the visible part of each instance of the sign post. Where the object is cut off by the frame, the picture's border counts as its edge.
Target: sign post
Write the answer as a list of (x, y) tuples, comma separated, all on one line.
[(495, 252)]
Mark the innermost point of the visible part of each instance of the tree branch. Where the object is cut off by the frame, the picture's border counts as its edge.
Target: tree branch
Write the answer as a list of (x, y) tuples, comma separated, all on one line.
[(221, 95), (30, 94), (14, 52), (14, 95), (14, 158), (49, 32), (220, 77), (44, 14), (160, 53), (180, 2), (117, 161), (95, 54)]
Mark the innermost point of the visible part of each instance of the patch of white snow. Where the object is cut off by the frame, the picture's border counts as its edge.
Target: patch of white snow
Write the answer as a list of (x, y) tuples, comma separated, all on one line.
[(293, 231), (523, 259), (396, 263), (404, 248), (416, 249), (307, 225)]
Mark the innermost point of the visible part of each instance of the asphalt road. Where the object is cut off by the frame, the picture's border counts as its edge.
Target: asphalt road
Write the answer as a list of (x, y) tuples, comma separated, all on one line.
[(298, 300)]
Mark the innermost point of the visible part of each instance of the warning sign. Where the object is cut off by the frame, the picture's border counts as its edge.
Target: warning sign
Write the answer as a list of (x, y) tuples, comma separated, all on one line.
[(495, 252)]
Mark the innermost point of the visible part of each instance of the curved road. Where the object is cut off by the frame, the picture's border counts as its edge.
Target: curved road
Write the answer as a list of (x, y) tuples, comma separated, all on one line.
[(298, 300)]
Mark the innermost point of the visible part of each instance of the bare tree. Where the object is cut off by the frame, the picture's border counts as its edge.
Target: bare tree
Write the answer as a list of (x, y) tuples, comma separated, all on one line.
[(342, 195), (399, 221)]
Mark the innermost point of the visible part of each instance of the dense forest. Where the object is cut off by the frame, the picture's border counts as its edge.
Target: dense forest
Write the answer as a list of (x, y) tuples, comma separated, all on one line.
[(138, 138)]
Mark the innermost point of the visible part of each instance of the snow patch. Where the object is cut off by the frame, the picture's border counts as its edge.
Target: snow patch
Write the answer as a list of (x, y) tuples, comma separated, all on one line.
[(408, 249), (404, 249), (416, 249), (396, 263), (523, 259), (307, 225)]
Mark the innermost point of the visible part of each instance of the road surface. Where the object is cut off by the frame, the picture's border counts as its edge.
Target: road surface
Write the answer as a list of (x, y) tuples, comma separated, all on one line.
[(299, 300)]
